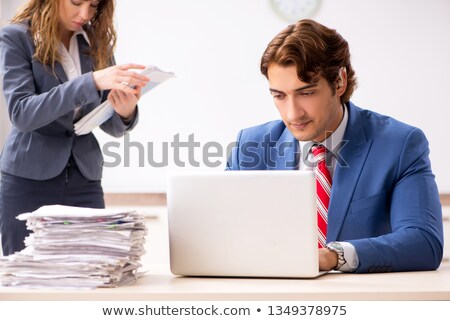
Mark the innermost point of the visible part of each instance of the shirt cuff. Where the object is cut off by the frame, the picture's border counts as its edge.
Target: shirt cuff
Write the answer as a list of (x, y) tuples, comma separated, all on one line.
[(350, 256)]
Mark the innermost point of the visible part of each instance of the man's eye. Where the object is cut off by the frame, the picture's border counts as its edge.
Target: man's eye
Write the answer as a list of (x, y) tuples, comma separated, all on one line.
[(306, 93)]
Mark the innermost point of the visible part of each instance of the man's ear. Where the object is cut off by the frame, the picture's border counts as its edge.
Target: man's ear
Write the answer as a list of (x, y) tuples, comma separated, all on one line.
[(342, 81)]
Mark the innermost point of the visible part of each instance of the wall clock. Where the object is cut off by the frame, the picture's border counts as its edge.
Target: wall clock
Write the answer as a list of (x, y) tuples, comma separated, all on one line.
[(294, 10)]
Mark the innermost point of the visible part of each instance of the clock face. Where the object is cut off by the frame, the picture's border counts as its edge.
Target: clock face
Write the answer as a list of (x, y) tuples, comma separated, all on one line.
[(294, 10)]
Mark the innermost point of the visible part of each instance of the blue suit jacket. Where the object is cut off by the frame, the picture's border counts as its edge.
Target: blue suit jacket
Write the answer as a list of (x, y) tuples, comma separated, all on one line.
[(41, 106), (384, 198)]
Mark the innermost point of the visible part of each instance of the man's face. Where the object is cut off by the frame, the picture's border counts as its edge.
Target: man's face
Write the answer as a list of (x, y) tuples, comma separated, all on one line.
[(309, 110)]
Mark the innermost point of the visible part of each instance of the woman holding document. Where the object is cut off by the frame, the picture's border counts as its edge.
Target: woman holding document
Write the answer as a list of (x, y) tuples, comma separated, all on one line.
[(57, 64)]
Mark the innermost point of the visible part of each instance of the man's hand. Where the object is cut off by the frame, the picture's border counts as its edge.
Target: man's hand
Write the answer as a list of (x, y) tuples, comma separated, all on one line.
[(328, 260)]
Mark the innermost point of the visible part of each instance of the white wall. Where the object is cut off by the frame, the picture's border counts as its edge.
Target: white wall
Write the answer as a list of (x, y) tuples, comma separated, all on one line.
[(400, 52)]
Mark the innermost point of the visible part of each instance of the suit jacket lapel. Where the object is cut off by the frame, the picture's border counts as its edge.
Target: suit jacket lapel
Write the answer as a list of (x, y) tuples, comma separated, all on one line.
[(62, 77), (85, 60), (86, 63), (284, 155), (353, 156), (60, 73)]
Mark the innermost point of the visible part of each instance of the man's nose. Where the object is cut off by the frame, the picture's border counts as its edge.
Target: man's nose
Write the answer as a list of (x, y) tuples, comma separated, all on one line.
[(294, 110)]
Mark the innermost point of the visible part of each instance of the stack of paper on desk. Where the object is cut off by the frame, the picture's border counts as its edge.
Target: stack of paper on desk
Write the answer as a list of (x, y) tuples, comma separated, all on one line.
[(104, 111), (74, 247)]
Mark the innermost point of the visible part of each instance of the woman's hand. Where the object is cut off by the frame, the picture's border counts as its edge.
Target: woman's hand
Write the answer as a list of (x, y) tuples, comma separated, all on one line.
[(124, 103), (121, 78)]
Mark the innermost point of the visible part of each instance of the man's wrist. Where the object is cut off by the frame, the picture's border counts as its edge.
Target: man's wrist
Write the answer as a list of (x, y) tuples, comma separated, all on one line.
[(337, 248), (327, 259)]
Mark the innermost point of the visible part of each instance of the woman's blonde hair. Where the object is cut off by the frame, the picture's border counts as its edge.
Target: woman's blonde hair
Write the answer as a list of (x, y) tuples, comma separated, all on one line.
[(43, 18)]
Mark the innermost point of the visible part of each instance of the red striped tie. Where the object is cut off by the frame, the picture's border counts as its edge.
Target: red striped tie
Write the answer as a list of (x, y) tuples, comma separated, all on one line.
[(323, 189)]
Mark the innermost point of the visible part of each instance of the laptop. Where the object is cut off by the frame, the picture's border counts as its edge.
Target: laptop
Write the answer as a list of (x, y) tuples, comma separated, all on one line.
[(243, 224)]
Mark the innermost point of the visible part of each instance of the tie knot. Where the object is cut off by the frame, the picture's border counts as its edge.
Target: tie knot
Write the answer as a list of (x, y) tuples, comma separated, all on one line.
[(319, 152)]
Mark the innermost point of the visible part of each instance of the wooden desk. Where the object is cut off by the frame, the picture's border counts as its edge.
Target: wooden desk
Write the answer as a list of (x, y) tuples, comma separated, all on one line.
[(161, 285)]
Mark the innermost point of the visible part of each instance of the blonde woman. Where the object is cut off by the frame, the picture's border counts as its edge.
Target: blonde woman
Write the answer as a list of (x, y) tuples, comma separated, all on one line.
[(57, 64)]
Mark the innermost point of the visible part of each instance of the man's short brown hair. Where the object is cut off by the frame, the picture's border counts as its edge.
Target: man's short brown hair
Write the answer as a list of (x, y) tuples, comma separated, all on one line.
[(315, 50)]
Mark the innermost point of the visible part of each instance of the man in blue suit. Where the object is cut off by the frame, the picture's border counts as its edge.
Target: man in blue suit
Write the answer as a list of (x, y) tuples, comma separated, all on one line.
[(384, 212)]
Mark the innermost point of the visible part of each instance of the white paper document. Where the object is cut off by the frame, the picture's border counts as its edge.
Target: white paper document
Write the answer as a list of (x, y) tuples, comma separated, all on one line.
[(77, 248), (104, 111)]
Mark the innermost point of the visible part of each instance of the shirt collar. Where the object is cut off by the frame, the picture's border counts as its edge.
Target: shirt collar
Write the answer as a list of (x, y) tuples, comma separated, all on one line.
[(82, 32), (332, 141)]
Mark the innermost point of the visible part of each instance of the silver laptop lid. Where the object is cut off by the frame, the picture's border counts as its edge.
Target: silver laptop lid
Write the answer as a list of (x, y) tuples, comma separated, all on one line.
[(243, 223)]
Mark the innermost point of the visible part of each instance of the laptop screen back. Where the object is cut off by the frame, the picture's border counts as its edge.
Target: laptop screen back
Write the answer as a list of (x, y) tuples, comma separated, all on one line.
[(243, 223)]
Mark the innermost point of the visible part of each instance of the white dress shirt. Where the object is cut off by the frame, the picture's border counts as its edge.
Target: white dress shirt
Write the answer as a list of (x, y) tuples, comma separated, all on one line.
[(70, 59), (332, 144)]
